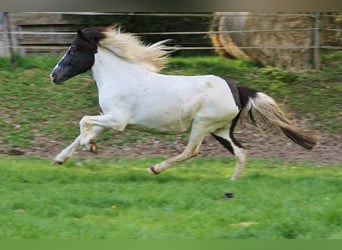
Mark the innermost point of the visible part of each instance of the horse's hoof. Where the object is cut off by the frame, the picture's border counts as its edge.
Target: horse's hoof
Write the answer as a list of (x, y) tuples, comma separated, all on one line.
[(151, 170), (56, 163), (93, 147)]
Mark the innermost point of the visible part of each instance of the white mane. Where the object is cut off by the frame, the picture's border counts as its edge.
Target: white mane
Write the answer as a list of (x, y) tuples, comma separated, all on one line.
[(131, 48)]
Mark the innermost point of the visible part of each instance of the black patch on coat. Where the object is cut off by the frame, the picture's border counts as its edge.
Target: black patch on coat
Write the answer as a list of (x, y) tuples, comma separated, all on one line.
[(241, 97), (80, 56), (235, 93), (225, 143), (93, 34), (245, 93), (231, 130)]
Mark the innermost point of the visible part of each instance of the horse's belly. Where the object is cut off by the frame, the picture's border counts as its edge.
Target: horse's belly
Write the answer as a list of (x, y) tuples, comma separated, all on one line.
[(163, 124)]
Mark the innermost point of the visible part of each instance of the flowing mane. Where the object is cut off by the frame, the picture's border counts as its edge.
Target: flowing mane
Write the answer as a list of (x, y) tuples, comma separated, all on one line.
[(129, 47)]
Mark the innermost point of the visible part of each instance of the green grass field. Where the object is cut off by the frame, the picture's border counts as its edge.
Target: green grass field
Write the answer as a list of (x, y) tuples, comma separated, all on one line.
[(104, 199), (116, 198)]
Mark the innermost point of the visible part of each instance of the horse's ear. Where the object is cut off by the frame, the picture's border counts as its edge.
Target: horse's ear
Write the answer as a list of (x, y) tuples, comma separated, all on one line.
[(90, 42), (80, 34)]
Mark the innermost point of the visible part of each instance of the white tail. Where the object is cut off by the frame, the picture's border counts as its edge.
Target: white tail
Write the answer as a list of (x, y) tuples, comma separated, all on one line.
[(265, 113)]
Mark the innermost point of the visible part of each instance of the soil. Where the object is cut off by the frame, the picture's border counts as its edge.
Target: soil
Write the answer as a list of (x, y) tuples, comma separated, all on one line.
[(138, 144)]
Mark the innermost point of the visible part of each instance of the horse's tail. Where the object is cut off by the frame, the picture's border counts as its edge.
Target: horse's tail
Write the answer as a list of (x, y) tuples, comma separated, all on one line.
[(264, 112)]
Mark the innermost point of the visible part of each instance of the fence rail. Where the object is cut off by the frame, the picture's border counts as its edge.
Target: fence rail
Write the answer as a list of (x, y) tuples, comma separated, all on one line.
[(180, 33), (25, 41)]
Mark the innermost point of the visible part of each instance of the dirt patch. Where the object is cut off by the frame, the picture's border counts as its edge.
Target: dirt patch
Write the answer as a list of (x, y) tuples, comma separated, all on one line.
[(140, 144)]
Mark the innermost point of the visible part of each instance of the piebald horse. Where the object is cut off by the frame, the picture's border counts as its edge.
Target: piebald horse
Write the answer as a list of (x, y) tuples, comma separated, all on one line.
[(133, 95)]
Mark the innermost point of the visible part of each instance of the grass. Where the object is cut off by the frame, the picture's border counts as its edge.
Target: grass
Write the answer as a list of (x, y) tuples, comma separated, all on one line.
[(104, 199), (33, 107)]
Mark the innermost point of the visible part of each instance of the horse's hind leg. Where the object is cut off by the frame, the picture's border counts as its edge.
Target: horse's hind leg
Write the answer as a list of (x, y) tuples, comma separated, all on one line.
[(195, 140), (226, 138)]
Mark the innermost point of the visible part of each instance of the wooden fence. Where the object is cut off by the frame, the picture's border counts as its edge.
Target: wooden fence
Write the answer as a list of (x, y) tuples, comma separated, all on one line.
[(51, 33)]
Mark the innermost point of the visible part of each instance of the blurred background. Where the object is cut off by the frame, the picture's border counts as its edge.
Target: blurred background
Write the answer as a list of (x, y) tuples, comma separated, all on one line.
[(288, 40)]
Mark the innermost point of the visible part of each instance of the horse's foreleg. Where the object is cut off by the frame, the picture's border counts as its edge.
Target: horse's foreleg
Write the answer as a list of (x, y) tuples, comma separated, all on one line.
[(67, 152), (92, 133), (89, 125), (70, 150)]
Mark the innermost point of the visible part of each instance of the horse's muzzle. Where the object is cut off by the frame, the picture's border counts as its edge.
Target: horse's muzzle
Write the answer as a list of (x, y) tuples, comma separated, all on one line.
[(54, 78)]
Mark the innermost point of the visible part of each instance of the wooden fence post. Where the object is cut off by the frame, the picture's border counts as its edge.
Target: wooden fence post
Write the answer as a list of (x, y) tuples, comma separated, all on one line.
[(317, 57), (10, 41)]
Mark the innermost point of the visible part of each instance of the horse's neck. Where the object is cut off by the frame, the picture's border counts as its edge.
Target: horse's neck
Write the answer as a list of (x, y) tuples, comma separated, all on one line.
[(111, 70)]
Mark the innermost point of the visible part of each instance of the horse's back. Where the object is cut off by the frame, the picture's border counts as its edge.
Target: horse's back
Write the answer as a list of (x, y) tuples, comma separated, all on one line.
[(219, 102)]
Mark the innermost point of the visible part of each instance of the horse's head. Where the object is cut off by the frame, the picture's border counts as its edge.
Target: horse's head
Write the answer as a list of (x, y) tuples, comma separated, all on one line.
[(79, 57)]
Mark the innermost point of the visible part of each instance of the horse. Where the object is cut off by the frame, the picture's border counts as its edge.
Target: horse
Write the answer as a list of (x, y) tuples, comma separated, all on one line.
[(133, 94)]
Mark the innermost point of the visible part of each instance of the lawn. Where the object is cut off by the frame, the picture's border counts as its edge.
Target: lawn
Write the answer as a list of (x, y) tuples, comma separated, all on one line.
[(120, 200)]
